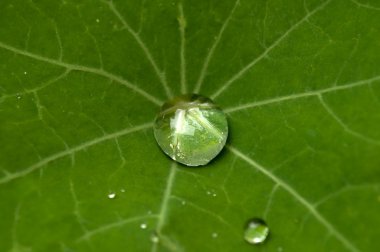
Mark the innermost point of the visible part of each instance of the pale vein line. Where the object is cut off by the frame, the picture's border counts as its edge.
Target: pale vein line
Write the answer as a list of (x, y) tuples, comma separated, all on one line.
[(59, 41), (208, 212), (343, 125), (39, 107), (344, 65), (347, 243), (366, 6), (268, 50), (16, 219), (135, 35), (27, 39), (77, 212), (84, 69), (93, 38), (182, 27), (212, 49), (345, 189), (165, 202), (36, 89), (107, 227), (11, 176), (270, 200), (301, 95)]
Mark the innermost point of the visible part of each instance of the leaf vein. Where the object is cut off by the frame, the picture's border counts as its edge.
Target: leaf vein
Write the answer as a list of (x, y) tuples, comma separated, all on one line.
[(344, 125), (366, 6), (302, 95), (182, 27), (268, 50), (310, 207), (113, 225), (69, 66), (165, 202), (135, 35), (210, 54), (12, 176)]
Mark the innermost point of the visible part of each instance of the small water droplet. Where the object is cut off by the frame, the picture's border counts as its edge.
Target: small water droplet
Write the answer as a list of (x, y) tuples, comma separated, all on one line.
[(25, 72), (18, 97), (122, 190), (208, 192), (256, 231), (143, 226), (214, 235), (214, 195), (111, 195), (97, 20), (154, 238), (183, 202), (191, 129)]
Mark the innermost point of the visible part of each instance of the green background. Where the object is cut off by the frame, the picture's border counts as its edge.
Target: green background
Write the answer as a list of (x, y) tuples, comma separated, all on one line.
[(81, 82)]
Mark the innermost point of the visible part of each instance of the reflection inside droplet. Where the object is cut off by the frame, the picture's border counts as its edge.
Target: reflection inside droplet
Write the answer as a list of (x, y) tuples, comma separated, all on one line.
[(191, 129), (111, 195), (256, 231)]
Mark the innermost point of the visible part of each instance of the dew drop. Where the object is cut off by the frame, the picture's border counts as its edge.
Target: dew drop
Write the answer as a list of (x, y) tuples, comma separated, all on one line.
[(143, 226), (256, 231), (191, 129), (214, 235), (154, 238), (111, 195)]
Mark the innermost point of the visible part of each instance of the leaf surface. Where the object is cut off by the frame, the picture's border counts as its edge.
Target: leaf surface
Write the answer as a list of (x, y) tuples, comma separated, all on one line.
[(81, 83)]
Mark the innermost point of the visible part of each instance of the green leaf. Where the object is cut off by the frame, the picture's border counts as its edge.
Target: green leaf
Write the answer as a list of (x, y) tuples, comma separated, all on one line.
[(82, 80)]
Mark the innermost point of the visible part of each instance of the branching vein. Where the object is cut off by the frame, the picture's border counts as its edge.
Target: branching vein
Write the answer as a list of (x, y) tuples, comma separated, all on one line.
[(366, 6), (69, 66), (336, 233), (268, 50), (165, 203), (301, 95), (212, 49), (345, 126), (119, 223), (12, 176), (136, 36)]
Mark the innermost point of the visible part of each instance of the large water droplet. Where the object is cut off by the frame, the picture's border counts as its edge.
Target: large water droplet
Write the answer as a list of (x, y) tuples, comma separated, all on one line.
[(191, 129), (256, 231)]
